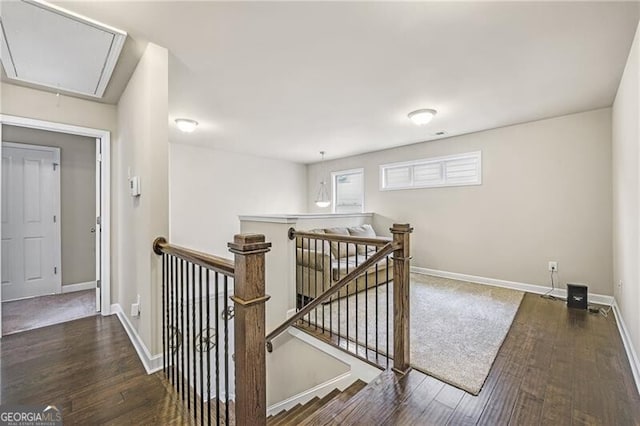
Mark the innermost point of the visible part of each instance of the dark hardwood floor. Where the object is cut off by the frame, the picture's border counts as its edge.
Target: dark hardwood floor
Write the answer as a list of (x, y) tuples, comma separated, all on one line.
[(89, 369), (556, 367)]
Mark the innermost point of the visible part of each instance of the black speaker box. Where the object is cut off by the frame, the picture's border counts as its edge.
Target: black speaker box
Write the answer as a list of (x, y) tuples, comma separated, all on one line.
[(577, 296)]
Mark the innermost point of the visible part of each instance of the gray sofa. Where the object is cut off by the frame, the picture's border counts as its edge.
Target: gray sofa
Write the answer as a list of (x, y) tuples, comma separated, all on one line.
[(320, 264)]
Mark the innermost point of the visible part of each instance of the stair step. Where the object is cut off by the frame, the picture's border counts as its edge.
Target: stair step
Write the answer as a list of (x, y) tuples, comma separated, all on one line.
[(287, 414), (328, 397), (309, 408), (334, 405), (353, 389), (377, 399)]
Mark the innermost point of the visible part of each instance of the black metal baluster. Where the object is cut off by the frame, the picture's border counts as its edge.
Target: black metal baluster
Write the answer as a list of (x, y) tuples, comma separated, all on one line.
[(366, 304), (346, 272), (164, 311), (226, 351), (299, 272), (315, 276), (330, 271), (201, 334), (217, 346), (387, 285), (209, 347), (174, 314), (338, 294), (193, 334), (305, 295), (188, 340), (324, 305), (182, 325), (357, 313), (377, 303), (308, 293)]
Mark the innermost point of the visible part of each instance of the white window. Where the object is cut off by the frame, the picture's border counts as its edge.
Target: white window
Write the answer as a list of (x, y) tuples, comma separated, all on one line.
[(452, 170), (348, 191)]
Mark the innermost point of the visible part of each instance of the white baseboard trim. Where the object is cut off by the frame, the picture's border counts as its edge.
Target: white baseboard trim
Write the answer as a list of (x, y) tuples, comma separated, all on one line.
[(69, 288), (341, 382), (152, 363), (357, 370), (628, 345), (530, 288)]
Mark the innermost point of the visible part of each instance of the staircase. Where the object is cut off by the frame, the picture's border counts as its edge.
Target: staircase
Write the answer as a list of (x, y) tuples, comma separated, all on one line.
[(332, 402)]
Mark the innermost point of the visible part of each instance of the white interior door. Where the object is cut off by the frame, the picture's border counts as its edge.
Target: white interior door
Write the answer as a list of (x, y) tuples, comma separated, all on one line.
[(31, 245), (98, 227)]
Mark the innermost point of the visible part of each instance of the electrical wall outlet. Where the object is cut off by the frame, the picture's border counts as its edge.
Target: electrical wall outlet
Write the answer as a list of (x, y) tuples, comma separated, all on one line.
[(553, 266), (620, 284), (135, 308)]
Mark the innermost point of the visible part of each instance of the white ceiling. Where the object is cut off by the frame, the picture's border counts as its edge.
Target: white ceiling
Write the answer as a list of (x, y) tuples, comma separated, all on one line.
[(287, 80)]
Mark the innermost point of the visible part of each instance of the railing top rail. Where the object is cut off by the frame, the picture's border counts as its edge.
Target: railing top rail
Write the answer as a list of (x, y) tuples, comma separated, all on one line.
[(371, 241), (387, 249), (209, 261)]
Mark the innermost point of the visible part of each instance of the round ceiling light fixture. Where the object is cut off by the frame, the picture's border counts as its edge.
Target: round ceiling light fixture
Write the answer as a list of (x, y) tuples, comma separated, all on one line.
[(186, 125), (422, 116)]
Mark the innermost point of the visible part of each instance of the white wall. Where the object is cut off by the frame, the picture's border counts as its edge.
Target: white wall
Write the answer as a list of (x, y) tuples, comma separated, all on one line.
[(32, 103), (142, 148), (210, 188), (546, 195), (77, 197), (626, 194)]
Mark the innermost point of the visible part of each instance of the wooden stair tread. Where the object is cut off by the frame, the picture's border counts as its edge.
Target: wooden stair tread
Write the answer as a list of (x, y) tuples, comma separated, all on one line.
[(335, 405), (286, 414), (353, 389), (315, 403), (328, 397), (308, 409), (378, 400)]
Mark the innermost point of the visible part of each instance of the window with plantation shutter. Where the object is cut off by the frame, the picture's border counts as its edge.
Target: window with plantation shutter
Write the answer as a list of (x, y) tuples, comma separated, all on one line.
[(452, 170), (398, 177), (348, 191)]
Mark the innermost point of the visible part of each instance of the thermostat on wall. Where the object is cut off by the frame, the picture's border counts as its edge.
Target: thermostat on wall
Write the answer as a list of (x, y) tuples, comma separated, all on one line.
[(134, 186)]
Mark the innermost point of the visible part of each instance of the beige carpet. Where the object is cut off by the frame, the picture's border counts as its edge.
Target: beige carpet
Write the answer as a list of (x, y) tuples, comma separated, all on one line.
[(36, 312), (457, 327)]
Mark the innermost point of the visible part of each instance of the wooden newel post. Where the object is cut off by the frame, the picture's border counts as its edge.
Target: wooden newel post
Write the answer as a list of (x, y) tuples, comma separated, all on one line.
[(250, 357), (401, 258)]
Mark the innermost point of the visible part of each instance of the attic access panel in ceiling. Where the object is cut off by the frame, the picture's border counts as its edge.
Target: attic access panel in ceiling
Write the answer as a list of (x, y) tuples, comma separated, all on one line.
[(49, 46)]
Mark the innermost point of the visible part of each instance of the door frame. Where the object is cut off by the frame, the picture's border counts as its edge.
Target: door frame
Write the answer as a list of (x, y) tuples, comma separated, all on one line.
[(56, 206), (105, 196)]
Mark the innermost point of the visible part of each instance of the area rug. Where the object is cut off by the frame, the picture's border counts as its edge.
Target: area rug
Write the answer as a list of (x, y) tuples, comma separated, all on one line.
[(457, 327)]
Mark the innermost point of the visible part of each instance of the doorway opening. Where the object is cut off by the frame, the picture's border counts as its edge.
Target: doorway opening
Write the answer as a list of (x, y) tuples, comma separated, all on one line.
[(55, 223)]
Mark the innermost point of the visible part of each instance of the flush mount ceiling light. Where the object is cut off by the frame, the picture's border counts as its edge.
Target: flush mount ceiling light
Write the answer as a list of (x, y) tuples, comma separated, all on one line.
[(186, 125), (422, 116)]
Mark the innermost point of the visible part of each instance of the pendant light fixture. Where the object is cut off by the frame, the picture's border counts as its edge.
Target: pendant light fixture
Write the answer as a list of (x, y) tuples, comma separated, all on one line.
[(322, 200)]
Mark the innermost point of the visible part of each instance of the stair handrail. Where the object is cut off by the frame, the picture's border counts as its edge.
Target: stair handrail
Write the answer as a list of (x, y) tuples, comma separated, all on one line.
[(209, 261), (384, 251)]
